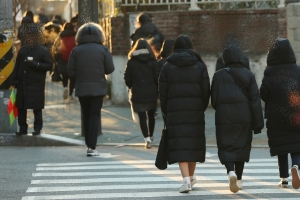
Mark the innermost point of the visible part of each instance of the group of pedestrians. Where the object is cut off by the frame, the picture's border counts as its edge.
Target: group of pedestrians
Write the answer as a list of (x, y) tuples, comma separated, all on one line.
[(184, 91), (173, 72), (68, 53)]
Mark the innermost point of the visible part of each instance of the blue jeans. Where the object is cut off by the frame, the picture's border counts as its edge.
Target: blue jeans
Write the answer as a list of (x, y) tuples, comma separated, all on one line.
[(283, 163)]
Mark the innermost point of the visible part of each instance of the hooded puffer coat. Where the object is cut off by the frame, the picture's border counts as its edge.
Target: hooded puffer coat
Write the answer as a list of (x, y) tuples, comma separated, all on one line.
[(236, 115), (280, 90), (184, 88), (90, 61), (141, 77)]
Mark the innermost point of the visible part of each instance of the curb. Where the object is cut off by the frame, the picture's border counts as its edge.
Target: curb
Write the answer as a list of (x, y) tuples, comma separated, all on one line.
[(54, 140)]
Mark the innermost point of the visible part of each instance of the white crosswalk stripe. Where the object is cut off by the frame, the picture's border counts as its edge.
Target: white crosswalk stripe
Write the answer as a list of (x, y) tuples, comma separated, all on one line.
[(136, 179)]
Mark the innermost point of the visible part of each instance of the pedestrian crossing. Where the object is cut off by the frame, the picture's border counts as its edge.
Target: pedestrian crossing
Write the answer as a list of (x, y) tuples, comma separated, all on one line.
[(136, 179)]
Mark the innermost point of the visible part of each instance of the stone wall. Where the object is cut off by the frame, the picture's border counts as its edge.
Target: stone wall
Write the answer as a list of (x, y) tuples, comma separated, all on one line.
[(293, 27)]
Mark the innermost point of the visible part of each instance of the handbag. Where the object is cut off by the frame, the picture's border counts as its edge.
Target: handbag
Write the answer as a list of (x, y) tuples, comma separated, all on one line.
[(161, 161)]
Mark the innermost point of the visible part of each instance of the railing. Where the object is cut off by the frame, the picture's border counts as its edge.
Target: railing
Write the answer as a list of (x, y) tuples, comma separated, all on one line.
[(221, 4), (113, 7)]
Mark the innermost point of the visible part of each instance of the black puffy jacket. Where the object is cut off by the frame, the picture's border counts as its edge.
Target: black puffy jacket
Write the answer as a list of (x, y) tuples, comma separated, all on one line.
[(141, 77), (280, 90), (184, 89), (236, 115)]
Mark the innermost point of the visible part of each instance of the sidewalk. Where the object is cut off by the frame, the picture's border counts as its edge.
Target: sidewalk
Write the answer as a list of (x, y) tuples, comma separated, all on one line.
[(62, 118)]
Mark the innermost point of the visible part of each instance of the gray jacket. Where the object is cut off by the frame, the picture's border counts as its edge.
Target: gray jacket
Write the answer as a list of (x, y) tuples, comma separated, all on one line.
[(89, 62)]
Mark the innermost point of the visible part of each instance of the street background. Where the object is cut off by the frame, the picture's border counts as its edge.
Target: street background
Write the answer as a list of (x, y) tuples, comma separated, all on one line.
[(62, 118)]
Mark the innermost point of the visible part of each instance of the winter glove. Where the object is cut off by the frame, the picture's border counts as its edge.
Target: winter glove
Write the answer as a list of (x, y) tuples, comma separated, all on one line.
[(32, 63)]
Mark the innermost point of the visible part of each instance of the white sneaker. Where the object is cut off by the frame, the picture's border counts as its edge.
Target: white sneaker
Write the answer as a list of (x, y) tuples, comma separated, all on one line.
[(283, 183), (185, 188), (193, 181), (233, 182), (92, 152), (65, 93), (295, 177), (239, 184), (70, 98), (148, 145)]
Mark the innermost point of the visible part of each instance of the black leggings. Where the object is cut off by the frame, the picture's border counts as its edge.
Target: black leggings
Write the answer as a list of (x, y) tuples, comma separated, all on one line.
[(65, 81), (143, 122), (237, 167)]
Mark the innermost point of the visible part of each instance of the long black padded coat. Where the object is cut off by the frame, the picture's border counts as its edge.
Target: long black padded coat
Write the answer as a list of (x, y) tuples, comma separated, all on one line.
[(236, 115), (280, 90), (184, 88), (30, 81)]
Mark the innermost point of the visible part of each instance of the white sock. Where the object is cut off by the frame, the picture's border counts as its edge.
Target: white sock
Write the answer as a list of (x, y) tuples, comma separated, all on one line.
[(186, 180), (284, 179), (148, 139), (193, 178)]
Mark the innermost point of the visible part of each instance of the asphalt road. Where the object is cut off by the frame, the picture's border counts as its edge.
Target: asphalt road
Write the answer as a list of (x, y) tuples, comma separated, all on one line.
[(126, 173)]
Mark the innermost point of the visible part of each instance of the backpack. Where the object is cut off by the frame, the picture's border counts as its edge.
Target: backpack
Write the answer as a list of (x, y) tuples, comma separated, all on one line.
[(67, 45)]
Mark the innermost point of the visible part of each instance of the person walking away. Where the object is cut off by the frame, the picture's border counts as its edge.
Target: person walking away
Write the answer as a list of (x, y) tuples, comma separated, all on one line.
[(32, 63), (148, 31), (90, 81), (184, 89), (280, 90), (141, 78), (61, 50), (238, 113)]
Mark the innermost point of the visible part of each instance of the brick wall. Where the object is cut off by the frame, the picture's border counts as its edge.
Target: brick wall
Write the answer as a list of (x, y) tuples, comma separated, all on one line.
[(207, 29)]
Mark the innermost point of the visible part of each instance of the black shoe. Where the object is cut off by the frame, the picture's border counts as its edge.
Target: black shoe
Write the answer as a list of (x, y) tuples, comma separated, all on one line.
[(36, 133), (21, 133)]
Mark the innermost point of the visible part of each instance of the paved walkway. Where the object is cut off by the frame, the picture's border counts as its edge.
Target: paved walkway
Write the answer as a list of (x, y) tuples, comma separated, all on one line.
[(62, 118)]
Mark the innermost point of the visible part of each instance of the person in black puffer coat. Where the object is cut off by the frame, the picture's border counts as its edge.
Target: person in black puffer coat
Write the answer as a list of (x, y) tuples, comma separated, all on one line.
[(220, 62), (29, 77), (61, 50), (148, 31), (184, 89), (238, 113), (88, 64), (280, 89), (141, 78)]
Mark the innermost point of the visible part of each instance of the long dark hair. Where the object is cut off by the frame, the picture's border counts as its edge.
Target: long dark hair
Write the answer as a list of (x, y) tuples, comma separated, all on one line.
[(183, 42), (141, 44)]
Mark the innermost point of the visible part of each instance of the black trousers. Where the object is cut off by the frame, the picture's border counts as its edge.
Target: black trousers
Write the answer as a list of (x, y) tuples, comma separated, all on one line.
[(283, 163), (22, 120), (91, 114), (237, 167), (147, 129)]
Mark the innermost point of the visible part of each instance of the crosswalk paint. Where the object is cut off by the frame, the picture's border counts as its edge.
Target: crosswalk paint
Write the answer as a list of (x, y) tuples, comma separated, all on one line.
[(110, 180), (140, 186), (140, 172), (68, 168), (174, 193), (254, 160)]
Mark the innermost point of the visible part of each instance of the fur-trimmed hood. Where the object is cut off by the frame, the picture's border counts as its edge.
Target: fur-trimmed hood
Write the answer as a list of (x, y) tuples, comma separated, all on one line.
[(90, 33), (141, 54)]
